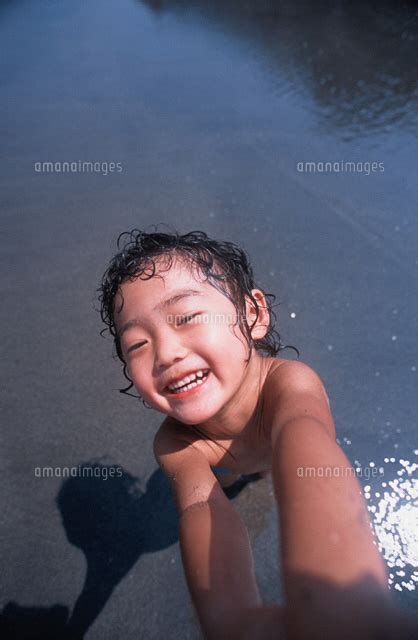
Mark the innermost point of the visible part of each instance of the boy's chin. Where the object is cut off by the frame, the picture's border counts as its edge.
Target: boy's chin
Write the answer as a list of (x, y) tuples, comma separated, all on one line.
[(189, 418), (192, 417)]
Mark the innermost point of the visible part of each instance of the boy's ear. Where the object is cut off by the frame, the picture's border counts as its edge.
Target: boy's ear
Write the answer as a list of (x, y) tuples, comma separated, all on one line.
[(262, 325)]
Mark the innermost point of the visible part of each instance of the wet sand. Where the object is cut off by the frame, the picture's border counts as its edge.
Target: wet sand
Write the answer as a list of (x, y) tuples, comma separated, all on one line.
[(212, 113)]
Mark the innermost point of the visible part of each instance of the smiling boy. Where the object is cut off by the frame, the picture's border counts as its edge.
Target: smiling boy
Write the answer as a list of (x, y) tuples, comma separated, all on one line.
[(189, 325)]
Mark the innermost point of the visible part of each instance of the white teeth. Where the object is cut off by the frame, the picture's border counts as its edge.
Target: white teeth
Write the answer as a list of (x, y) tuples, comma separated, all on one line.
[(187, 380)]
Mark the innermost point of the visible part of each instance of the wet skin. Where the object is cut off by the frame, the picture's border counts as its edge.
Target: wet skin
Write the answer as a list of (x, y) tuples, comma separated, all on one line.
[(161, 344)]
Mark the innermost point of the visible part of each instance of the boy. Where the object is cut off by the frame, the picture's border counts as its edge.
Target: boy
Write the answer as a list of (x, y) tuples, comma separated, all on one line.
[(188, 324)]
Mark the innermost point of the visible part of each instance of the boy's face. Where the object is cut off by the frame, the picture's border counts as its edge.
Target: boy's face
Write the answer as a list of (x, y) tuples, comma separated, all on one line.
[(159, 344)]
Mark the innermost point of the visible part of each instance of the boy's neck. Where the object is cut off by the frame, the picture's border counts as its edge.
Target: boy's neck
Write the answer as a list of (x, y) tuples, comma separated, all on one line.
[(239, 416)]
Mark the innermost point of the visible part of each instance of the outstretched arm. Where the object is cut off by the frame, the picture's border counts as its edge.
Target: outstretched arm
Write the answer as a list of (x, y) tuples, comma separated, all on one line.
[(215, 547), (335, 579)]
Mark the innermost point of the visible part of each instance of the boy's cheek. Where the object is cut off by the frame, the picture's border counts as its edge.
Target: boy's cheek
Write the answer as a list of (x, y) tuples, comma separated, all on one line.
[(133, 375), (138, 380), (132, 372)]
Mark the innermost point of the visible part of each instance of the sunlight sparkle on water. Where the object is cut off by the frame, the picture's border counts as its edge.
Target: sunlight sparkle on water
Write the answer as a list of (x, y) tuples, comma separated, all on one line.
[(394, 514)]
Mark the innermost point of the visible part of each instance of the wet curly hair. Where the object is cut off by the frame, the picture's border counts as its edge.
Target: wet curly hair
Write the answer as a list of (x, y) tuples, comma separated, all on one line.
[(224, 265)]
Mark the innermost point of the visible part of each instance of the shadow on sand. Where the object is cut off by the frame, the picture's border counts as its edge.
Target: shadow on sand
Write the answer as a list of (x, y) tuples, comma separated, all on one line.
[(113, 522)]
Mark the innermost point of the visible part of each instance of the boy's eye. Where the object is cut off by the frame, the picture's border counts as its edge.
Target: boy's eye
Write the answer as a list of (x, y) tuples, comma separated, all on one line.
[(183, 320), (135, 346), (186, 319)]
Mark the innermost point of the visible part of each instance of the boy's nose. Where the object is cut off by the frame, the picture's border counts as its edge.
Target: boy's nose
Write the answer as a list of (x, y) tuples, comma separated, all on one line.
[(168, 352)]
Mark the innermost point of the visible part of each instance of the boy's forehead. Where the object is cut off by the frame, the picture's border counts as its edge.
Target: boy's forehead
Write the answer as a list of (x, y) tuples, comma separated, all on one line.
[(164, 284), (167, 279)]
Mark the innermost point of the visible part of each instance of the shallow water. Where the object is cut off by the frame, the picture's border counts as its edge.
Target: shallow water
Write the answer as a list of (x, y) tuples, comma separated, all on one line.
[(212, 110)]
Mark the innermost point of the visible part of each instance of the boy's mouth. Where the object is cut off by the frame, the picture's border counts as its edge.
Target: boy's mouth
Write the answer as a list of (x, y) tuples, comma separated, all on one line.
[(189, 386)]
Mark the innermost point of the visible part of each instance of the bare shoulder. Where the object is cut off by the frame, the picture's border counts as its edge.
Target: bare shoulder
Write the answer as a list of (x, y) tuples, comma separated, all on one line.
[(170, 434), (187, 468), (295, 390), (295, 375), (173, 444)]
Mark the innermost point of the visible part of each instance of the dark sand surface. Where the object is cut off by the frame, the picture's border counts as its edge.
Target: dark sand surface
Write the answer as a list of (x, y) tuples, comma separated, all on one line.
[(209, 107)]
